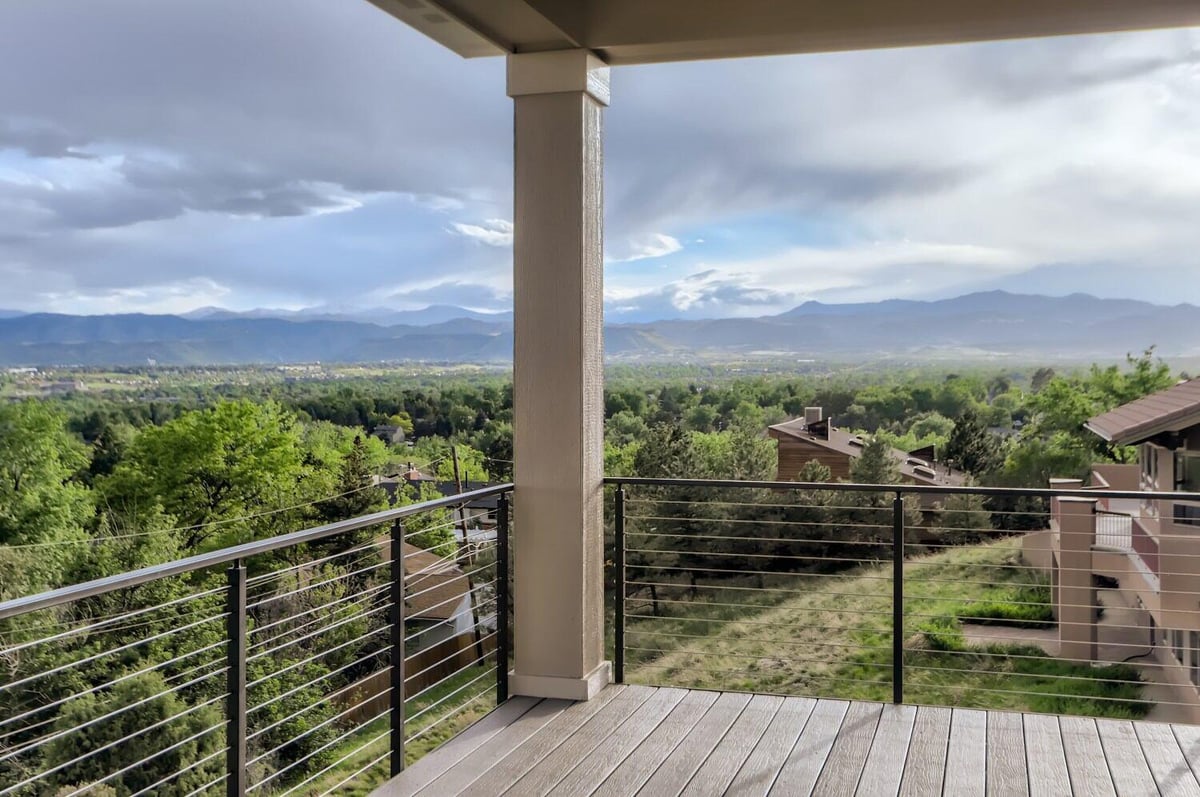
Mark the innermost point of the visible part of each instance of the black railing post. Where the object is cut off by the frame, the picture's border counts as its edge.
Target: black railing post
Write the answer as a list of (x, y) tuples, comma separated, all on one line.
[(898, 598), (619, 590), (235, 703), (502, 641), (397, 646)]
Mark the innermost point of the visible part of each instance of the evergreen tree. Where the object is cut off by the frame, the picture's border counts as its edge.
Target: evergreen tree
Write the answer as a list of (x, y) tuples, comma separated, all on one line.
[(972, 448)]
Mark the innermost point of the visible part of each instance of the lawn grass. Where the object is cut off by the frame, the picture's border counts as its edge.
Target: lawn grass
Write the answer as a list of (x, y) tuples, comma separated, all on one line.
[(831, 636)]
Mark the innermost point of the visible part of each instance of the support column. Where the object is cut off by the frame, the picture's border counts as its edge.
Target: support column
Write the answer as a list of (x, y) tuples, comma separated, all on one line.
[(1077, 605), (558, 298)]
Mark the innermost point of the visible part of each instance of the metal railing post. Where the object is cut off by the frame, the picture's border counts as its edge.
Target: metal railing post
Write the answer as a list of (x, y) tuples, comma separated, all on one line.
[(235, 702), (396, 617), (898, 598), (619, 591), (502, 631)]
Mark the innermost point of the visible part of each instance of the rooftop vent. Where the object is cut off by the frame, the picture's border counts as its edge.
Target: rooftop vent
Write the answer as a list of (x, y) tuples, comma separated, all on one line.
[(856, 442), (813, 415), (925, 471)]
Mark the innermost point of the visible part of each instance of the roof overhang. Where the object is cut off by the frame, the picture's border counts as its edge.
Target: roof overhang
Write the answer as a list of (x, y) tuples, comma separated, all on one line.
[(648, 31)]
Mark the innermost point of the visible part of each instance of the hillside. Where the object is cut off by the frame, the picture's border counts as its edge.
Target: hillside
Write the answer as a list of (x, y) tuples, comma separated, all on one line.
[(981, 325)]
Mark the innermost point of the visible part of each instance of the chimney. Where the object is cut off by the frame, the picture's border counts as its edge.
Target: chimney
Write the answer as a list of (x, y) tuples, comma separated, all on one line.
[(812, 415)]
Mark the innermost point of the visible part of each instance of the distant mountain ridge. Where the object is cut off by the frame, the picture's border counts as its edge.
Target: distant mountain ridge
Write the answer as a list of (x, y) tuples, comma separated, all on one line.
[(991, 324)]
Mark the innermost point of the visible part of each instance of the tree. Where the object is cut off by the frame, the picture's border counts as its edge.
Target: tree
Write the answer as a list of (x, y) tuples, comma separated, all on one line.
[(971, 447), (41, 502), (212, 469)]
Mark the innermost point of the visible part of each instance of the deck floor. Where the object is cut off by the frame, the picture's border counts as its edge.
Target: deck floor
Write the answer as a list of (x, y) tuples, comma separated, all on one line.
[(662, 741)]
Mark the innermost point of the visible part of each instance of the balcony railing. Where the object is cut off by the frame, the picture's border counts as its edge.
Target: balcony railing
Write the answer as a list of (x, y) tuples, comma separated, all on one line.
[(265, 668), (900, 593)]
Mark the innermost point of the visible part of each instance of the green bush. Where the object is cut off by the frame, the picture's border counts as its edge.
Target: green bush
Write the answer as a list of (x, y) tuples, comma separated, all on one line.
[(1028, 607)]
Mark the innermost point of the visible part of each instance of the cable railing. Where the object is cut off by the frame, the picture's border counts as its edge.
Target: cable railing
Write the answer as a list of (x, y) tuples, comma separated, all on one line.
[(1037, 600), (266, 668)]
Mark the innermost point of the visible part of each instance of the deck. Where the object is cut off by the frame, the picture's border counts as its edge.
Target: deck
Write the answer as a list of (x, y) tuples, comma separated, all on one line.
[(663, 741)]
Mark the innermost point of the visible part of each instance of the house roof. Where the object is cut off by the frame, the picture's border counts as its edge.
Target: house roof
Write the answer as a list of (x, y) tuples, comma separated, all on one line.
[(1169, 410), (647, 31), (434, 587), (844, 442)]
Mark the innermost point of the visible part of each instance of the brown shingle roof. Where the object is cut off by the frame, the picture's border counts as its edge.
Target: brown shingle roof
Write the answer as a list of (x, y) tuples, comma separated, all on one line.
[(1169, 410), (852, 445), (433, 586)]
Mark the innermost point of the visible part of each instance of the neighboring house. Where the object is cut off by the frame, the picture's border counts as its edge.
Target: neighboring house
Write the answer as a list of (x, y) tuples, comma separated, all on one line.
[(392, 435), (1149, 548), (814, 437), (437, 601)]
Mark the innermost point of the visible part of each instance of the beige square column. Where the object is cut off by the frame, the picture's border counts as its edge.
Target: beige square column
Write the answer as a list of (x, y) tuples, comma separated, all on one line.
[(558, 264), (1078, 613)]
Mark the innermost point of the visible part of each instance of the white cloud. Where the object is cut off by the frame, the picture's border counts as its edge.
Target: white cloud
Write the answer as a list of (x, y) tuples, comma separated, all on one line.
[(493, 232), (646, 247), (165, 298)]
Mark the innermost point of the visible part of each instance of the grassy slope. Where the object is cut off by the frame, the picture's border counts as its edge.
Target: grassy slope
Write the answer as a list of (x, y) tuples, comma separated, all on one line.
[(831, 636)]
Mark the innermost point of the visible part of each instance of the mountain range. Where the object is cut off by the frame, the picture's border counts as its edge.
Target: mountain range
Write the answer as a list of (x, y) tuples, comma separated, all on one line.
[(978, 325)]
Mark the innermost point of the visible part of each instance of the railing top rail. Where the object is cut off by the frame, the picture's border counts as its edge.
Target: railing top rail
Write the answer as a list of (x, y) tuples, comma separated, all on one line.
[(133, 578), (913, 489)]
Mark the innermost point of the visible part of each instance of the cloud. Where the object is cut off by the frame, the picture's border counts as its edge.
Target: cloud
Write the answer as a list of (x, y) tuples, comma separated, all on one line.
[(493, 232), (319, 152), (648, 246)]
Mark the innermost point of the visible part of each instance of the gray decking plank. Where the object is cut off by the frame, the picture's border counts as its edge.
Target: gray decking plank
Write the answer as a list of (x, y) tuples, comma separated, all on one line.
[(551, 768), (470, 765), (448, 755), (845, 763), (639, 765), (925, 767), (799, 773), (715, 774), (600, 762), (1085, 757), (1126, 764), (1044, 756), (1006, 769), (522, 756), (1189, 742), (1167, 761), (884, 768), (758, 774), (966, 754), (678, 767)]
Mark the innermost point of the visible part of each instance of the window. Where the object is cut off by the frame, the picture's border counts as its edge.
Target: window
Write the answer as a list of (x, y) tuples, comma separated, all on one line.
[(1187, 479), (1149, 457), (1194, 638)]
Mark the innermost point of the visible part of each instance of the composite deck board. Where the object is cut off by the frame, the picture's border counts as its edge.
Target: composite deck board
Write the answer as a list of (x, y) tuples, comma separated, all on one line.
[(845, 763), (1085, 757), (1126, 764), (966, 754), (1166, 760), (648, 741), (1045, 757), (714, 775), (636, 769), (803, 766), (597, 765), (925, 766), (884, 768), (481, 759), (523, 756), (1006, 769), (546, 774), (758, 773), (436, 763), (688, 756), (1188, 737)]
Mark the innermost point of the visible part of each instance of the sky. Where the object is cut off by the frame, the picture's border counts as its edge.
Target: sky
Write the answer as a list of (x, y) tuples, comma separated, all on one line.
[(162, 157)]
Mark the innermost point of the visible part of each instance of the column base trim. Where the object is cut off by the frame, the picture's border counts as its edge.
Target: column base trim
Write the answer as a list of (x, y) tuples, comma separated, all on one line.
[(551, 686)]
